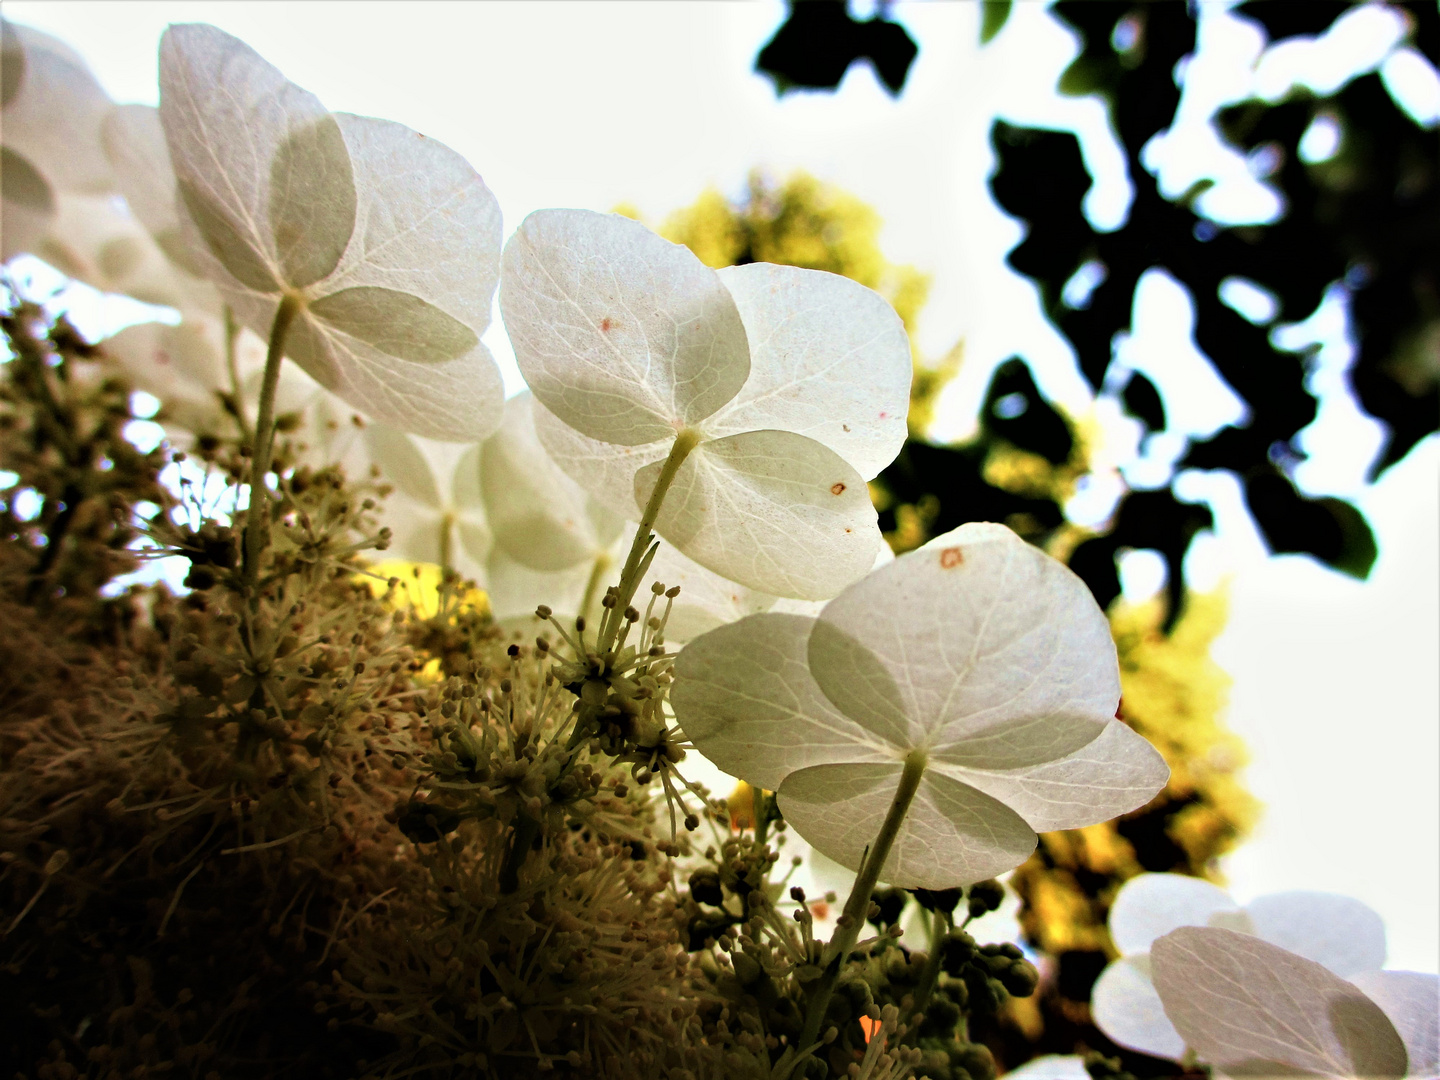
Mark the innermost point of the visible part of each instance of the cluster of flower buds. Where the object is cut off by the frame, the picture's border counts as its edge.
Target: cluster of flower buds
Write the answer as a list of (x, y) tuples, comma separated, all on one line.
[(621, 678)]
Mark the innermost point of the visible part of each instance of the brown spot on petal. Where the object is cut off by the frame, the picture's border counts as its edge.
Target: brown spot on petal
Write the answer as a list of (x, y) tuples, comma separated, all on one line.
[(607, 324), (837, 488), (951, 558)]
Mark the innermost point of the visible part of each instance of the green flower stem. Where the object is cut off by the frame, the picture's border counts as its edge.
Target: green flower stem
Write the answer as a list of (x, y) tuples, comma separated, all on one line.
[(686, 441), (762, 806), (602, 563), (232, 368), (258, 517), (857, 907), (447, 529), (930, 974), (522, 839)]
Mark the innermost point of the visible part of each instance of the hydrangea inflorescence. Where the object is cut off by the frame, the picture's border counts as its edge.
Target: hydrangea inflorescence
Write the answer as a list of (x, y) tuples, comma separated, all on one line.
[(919, 727), (385, 243), (1161, 997), (773, 394), (978, 656)]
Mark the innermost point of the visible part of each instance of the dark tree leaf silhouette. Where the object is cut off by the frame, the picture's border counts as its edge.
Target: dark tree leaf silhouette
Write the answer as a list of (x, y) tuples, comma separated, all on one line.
[(819, 41)]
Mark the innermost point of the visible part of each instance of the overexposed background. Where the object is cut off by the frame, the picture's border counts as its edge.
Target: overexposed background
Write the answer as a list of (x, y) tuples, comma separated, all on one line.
[(594, 104)]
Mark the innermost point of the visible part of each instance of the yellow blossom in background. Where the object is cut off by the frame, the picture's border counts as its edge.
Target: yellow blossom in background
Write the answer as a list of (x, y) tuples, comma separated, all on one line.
[(417, 585), (443, 608), (1173, 694)]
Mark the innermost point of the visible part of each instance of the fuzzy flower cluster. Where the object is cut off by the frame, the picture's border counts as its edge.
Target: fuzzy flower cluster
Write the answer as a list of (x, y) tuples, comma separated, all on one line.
[(690, 465)]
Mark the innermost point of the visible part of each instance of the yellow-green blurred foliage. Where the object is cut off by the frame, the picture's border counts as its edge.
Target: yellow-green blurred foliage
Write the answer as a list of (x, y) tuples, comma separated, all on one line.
[(1173, 693)]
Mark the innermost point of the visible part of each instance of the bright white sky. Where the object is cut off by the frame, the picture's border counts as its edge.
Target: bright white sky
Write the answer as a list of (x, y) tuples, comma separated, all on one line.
[(593, 104)]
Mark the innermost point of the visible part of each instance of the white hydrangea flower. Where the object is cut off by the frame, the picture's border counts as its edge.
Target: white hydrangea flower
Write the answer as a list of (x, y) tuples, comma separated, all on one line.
[(51, 110), (92, 239), (540, 517), (1251, 1008), (184, 366), (134, 141), (1052, 1067), (554, 542), (434, 512), (1411, 1001), (979, 652), (389, 242), (1341, 933), (795, 383)]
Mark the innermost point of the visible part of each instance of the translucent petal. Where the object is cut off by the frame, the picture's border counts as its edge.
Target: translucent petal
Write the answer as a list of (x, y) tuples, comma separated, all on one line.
[(1113, 775), (541, 517), (1052, 1067), (829, 359), (474, 547), (312, 201), (706, 599), (772, 510), (135, 144), (465, 481), (226, 114), (516, 589), (606, 470), (182, 364), (426, 247), (12, 63), (981, 633), (1252, 1008), (623, 335), (1337, 931), (1125, 1006), (809, 608), (397, 324), (53, 112), (952, 835), (403, 464), (429, 518), (1412, 1002), (397, 309), (427, 224), (333, 432), (1151, 905), (27, 204), (743, 694), (859, 684), (296, 392), (92, 239), (417, 530)]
